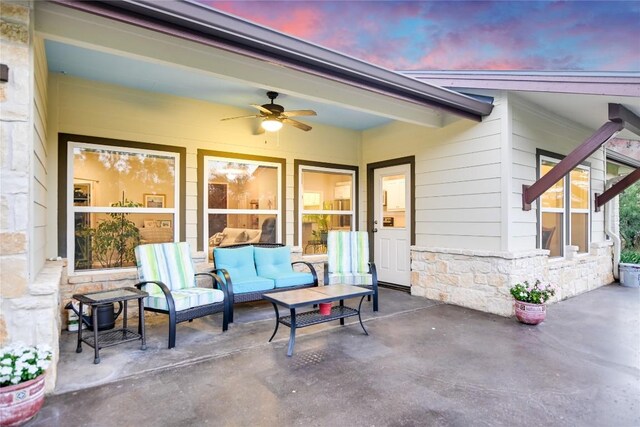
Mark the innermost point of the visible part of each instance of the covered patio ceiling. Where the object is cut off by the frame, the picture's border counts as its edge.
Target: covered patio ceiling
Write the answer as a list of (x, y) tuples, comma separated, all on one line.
[(101, 49)]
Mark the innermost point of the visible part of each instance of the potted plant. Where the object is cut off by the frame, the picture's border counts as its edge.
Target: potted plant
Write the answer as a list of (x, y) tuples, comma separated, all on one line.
[(22, 382), (629, 268), (530, 301)]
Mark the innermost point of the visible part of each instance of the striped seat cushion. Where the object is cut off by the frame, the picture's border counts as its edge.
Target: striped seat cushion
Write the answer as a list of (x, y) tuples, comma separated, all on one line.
[(185, 298), (351, 278)]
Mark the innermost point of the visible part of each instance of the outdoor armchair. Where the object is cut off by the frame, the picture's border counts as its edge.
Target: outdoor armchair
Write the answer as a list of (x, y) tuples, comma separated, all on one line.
[(348, 261), (166, 272)]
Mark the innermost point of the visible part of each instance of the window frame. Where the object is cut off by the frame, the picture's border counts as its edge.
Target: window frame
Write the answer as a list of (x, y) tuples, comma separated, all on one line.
[(299, 211), (67, 215), (566, 210), (204, 156)]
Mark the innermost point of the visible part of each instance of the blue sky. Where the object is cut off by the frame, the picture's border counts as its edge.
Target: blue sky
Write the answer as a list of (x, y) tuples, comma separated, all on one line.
[(462, 35)]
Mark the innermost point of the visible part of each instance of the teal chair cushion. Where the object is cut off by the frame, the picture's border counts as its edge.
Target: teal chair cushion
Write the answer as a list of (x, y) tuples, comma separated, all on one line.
[(255, 284), (238, 262), (293, 278), (272, 261), (169, 263)]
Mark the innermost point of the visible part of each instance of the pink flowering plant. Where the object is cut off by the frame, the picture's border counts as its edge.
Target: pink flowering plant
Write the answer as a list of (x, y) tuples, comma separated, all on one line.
[(20, 363), (536, 293)]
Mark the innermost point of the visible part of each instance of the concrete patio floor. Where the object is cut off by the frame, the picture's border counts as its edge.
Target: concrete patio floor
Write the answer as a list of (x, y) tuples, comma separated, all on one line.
[(424, 363)]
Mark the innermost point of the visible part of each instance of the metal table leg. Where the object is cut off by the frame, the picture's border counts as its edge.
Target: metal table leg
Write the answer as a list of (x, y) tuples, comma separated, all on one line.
[(292, 335), (80, 323), (360, 318), (275, 307), (342, 318), (96, 346), (141, 323)]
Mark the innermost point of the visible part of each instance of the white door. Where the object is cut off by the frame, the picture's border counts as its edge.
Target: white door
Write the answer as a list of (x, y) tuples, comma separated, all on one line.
[(392, 223)]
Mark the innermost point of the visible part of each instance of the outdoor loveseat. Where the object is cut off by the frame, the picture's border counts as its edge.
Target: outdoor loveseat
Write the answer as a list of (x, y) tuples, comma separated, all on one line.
[(252, 270)]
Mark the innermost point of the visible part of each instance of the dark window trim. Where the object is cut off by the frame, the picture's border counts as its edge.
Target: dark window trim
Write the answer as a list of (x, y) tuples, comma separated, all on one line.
[(229, 155), (63, 145), (296, 190), (567, 189), (411, 160)]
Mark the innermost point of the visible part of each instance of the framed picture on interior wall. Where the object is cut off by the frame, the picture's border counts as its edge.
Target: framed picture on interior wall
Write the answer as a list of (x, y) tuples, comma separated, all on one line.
[(149, 223), (154, 200), (165, 223)]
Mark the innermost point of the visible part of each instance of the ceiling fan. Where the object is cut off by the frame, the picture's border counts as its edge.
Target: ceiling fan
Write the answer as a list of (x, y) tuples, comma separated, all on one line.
[(274, 115)]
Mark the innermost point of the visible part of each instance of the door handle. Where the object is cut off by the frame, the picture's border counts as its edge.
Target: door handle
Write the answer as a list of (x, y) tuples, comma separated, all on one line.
[(375, 230)]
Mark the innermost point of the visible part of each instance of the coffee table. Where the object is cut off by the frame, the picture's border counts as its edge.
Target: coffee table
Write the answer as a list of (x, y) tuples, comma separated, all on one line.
[(297, 298)]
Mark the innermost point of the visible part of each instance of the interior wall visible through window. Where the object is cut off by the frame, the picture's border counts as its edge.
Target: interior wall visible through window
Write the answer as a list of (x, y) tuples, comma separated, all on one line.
[(326, 201), (564, 210), (243, 201), (118, 198)]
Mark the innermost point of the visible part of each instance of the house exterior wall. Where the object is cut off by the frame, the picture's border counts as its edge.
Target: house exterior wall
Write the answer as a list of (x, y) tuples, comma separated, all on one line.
[(28, 286), (82, 107), (480, 277), (458, 178)]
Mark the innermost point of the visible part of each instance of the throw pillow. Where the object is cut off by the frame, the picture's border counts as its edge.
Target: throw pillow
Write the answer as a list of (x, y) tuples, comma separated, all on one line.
[(242, 237)]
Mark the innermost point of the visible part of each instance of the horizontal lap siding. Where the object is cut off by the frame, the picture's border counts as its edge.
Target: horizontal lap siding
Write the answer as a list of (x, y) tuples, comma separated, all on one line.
[(532, 130), (91, 108), (457, 182), (38, 243)]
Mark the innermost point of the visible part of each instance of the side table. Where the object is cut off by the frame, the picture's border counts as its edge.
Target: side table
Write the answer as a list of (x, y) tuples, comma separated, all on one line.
[(101, 339)]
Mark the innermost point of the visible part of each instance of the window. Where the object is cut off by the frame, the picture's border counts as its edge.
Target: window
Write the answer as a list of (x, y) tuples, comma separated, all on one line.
[(567, 198), (118, 198), (326, 201), (242, 202)]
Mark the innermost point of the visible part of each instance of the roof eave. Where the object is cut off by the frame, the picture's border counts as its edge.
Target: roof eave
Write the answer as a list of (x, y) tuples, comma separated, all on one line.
[(196, 22)]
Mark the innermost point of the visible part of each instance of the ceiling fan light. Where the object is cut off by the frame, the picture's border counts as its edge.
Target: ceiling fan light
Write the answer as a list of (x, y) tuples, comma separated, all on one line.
[(271, 125)]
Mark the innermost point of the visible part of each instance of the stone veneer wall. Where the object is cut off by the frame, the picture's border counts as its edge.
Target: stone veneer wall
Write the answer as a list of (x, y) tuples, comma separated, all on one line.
[(102, 281), (481, 279), (28, 300)]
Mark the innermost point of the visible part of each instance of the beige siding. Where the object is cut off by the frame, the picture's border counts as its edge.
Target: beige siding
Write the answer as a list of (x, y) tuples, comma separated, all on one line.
[(38, 242), (91, 108), (535, 129), (458, 178)]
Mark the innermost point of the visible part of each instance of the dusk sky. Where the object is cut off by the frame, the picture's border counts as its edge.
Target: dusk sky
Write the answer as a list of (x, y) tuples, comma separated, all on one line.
[(462, 35)]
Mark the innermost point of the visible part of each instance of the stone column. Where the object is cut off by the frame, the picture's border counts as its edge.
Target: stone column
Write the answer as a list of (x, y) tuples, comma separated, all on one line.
[(28, 299)]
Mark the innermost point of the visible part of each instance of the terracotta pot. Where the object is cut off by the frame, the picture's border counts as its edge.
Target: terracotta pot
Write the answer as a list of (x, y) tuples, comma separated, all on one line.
[(530, 313), (21, 402), (325, 308)]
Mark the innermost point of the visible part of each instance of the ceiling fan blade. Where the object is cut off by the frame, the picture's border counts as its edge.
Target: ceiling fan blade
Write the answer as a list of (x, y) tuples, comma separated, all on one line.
[(241, 117), (297, 124), (261, 108), (294, 113)]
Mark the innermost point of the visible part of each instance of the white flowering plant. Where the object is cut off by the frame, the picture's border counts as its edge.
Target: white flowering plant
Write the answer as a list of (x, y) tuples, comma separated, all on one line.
[(20, 363), (536, 293)]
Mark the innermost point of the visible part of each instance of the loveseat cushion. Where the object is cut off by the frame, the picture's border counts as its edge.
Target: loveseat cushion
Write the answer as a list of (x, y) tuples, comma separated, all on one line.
[(186, 298), (272, 261), (293, 278), (237, 261), (256, 284)]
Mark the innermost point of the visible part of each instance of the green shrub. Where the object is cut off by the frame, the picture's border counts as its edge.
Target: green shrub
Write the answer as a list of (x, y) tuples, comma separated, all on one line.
[(630, 217), (630, 257)]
